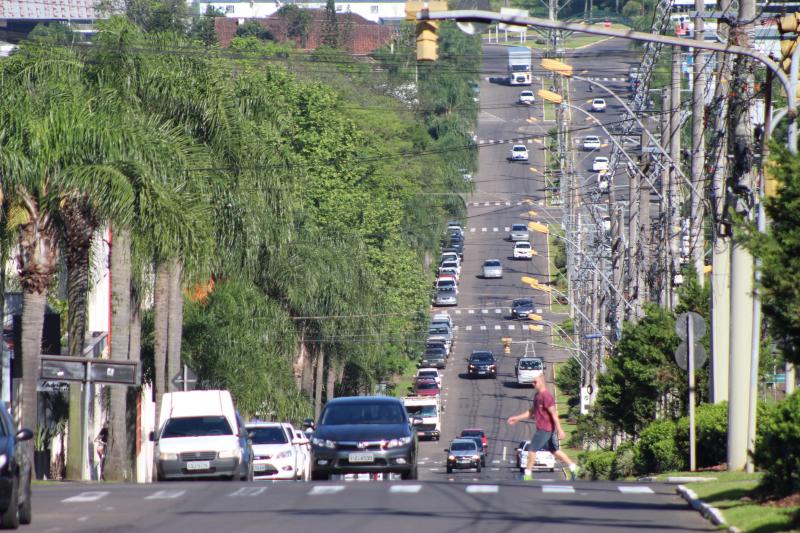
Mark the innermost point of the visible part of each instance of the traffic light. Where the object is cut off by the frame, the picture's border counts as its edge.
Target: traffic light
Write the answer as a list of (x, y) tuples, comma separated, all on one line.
[(426, 29), (788, 24)]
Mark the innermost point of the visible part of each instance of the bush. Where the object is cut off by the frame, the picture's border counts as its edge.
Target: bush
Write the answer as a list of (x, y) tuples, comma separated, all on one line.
[(711, 429), (597, 464), (624, 464), (657, 451), (777, 448)]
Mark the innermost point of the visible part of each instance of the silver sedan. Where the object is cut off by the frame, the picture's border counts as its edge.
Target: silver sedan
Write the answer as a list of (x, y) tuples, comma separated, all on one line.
[(492, 268)]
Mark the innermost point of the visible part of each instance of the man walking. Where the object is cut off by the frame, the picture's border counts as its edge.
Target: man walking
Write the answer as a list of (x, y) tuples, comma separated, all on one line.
[(548, 428)]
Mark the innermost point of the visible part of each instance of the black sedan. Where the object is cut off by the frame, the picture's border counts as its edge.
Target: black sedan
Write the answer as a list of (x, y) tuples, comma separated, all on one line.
[(370, 434), (522, 307), (482, 364), (15, 473)]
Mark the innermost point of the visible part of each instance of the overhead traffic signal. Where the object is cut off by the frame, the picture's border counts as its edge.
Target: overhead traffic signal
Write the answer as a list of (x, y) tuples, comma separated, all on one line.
[(426, 29), (787, 27)]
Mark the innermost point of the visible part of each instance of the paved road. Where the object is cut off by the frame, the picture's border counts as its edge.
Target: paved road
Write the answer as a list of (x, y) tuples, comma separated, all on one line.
[(493, 500)]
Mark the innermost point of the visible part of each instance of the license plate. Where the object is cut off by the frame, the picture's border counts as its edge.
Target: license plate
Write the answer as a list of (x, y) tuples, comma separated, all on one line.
[(198, 465), (361, 458), (259, 468)]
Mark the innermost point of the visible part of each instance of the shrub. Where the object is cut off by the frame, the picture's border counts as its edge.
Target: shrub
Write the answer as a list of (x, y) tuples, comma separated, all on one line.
[(777, 448), (597, 464), (624, 464), (711, 430), (657, 451)]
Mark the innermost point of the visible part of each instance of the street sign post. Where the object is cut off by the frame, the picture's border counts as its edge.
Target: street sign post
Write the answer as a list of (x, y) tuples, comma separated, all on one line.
[(185, 380), (689, 355)]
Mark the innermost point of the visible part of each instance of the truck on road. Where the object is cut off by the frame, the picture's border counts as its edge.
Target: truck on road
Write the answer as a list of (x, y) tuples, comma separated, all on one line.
[(429, 410), (519, 65)]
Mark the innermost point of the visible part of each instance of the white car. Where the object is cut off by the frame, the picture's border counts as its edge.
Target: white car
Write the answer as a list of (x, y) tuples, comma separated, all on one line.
[(518, 153), (519, 232), (492, 268), (451, 264), (276, 451), (429, 373), (450, 256), (449, 270), (442, 317), (598, 104), (600, 163), (544, 459), (446, 283), (591, 142), (523, 250), (525, 97)]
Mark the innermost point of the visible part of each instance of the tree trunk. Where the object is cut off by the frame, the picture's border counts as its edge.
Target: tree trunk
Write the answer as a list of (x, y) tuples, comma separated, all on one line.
[(136, 327), (299, 361), (174, 322), (33, 306), (117, 467), (330, 387), (319, 382), (307, 385), (160, 326)]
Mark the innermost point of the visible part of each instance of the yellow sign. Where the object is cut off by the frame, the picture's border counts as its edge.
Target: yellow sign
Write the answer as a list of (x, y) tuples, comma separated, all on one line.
[(536, 327), (557, 66), (533, 316), (529, 280), (538, 226), (550, 96)]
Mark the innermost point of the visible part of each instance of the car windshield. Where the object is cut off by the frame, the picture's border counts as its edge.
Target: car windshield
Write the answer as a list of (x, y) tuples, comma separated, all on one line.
[(600, 160), (520, 149), (421, 410), (522, 302), (446, 291), (463, 446), (523, 245), (482, 357), (434, 354), (363, 413), (268, 435), (599, 101), (492, 263), (519, 227), (530, 364), (196, 426), (449, 264), (431, 374), (471, 433)]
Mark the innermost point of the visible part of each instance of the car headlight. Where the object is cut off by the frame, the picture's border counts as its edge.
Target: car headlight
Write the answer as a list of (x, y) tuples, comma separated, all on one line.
[(402, 441), (3, 460), (235, 453), (451, 457), (284, 454), (323, 443), (472, 367), (164, 456), (476, 457)]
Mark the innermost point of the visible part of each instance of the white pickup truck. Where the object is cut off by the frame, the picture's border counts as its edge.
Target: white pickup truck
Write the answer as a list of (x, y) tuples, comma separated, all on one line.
[(429, 409)]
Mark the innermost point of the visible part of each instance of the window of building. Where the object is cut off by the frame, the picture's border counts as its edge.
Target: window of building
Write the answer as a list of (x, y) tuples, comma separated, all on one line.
[(229, 8), (373, 9)]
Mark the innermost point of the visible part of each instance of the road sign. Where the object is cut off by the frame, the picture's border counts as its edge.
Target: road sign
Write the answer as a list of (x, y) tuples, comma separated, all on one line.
[(83, 369), (682, 356), (593, 336), (52, 386), (698, 324), (185, 379)]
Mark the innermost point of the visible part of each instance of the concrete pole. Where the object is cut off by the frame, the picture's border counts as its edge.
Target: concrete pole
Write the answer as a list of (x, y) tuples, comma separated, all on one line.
[(696, 237), (617, 265), (597, 321), (742, 265), (674, 227), (721, 255), (644, 246), (664, 204), (633, 288)]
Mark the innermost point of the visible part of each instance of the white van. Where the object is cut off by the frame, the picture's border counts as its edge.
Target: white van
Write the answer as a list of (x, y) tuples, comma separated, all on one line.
[(527, 369), (198, 436)]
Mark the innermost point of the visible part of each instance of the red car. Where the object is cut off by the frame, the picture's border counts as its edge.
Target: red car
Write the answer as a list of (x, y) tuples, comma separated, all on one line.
[(426, 387), (477, 432)]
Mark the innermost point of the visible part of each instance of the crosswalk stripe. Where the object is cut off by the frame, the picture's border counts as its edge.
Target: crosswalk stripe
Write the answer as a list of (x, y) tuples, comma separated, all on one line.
[(471, 311), (468, 328), (512, 326), (497, 326), (635, 489), (458, 311), (495, 229), (483, 328), (558, 489), (248, 491), (166, 495), (325, 489), (405, 489), (482, 489), (508, 203), (486, 204), (91, 496), (472, 230), (507, 228), (485, 311), (498, 311), (497, 203), (484, 230), (455, 328)]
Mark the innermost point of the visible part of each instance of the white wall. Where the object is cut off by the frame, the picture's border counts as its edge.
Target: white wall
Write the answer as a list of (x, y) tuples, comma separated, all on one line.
[(373, 11)]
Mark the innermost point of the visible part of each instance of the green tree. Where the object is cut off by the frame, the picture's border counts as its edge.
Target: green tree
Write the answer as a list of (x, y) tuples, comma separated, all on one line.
[(297, 21), (253, 28), (330, 28), (204, 28)]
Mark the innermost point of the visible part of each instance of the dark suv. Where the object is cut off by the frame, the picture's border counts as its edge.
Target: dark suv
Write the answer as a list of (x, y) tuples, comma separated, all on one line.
[(15, 473), (371, 434), (482, 364)]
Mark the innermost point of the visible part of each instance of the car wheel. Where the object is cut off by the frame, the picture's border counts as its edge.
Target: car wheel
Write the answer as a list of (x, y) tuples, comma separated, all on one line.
[(317, 476), (26, 509), (449, 470), (411, 474), (478, 469), (483, 461), (10, 518)]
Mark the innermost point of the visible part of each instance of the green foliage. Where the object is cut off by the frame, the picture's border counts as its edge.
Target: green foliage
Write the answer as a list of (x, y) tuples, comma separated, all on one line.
[(568, 378), (54, 33), (632, 9), (624, 464), (777, 448), (252, 28), (330, 29), (203, 28), (297, 21), (152, 15), (711, 432), (657, 451), (597, 464)]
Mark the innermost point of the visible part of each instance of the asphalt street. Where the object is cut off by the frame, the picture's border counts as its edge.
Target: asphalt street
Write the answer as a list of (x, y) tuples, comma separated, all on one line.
[(493, 500)]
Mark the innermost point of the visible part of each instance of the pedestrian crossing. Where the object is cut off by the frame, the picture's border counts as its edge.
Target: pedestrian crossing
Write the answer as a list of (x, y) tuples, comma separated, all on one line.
[(502, 204), (496, 327), (489, 142), (606, 79), (325, 489), (489, 311)]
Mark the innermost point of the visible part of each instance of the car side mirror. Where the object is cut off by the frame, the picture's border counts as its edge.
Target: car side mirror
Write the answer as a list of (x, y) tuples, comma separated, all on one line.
[(447, 450), (152, 436), (24, 434)]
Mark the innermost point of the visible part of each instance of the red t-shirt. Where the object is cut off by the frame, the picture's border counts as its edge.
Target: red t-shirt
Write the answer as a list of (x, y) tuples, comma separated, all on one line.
[(544, 399)]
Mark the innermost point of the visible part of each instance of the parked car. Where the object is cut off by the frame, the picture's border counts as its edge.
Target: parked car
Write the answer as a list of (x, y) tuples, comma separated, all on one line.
[(482, 364), (434, 358), (600, 163), (518, 153), (526, 97), (441, 332), (477, 432), (371, 434), (591, 142), (447, 283), (522, 307), (519, 232), (523, 250), (429, 373), (452, 271), (426, 387), (544, 459), (598, 104), (463, 454), (442, 317), (16, 472), (492, 268), (276, 453), (451, 264), (455, 246), (450, 256), (446, 297)]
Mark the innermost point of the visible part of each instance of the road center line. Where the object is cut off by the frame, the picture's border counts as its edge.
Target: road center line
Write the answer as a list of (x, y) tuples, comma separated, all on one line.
[(325, 489), (558, 489), (166, 495), (405, 489), (86, 497), (482, 489)]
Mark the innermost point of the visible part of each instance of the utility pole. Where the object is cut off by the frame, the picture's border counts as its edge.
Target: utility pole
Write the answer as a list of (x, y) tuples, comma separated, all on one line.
[(664, 218), (643, 248), (742, 265), (632, 280), (720, 250), (674, 226), (617, 251), (696, 238)]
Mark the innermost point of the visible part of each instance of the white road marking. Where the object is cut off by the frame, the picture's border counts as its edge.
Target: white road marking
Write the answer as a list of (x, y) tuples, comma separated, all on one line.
[(421, 462), (635, 489), (508, 203), (495, 461), (482, 489), (86, 497), (485, 311), (471, 311), (483, 328), (484, 230), (83, 518), (512, 326), (494, 469), (487, 204), (498, 311), (458, 311), (558, 489), (472, 230), (497, 203), (166, 495), (468, 328), (507, 228), (325, 489), (405, 489), (455, 328), (495, 229), (498, 326), (248, 491)]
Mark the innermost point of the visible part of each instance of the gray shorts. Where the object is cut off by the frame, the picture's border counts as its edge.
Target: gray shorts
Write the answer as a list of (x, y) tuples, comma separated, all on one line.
[(544, 440)]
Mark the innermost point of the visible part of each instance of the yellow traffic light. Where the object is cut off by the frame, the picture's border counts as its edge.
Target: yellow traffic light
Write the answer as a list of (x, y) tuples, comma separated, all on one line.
[(426, 29), (788, 24)]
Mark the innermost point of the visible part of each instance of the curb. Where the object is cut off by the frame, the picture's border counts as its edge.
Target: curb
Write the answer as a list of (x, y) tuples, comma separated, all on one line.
[(713, 514)]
